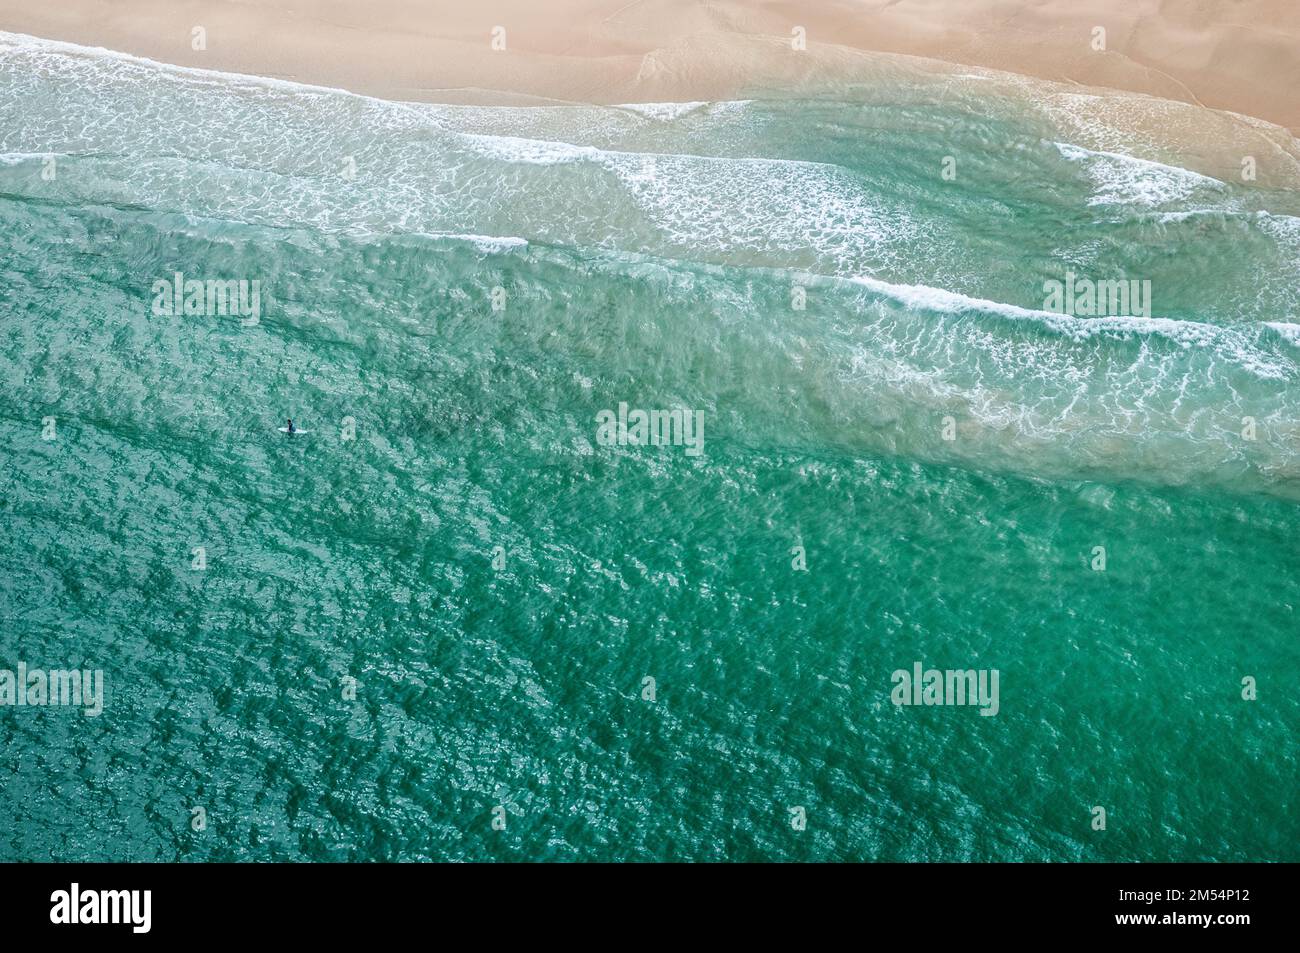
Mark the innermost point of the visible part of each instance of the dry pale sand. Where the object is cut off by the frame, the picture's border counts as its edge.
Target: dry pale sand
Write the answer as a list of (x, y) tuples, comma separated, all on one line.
[(1239, 55)]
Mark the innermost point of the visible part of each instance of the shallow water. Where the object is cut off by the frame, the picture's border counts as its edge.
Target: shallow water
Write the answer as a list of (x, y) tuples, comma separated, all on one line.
[(881, 384)]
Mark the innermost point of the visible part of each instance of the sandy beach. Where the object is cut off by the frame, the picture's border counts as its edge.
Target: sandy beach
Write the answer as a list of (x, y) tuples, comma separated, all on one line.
[(1239, 56)]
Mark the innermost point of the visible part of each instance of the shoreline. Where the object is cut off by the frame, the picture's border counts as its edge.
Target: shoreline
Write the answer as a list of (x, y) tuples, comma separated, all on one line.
[(1220, 55), (1210, 142)]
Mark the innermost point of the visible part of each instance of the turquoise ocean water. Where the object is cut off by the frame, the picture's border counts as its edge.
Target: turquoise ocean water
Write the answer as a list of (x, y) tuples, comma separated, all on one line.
[(460, 291)]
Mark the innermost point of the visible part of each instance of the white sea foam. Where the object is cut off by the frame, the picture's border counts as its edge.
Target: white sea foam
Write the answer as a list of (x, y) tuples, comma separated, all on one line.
[(1289, 332), (487, 243), (724, 204), (1285, 228), (663, 112), (1236, 343), (18, 158), (531, 151), (1126, 180)]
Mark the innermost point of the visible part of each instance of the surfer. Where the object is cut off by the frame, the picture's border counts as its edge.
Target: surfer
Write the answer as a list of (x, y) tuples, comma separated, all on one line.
[(290, 429)]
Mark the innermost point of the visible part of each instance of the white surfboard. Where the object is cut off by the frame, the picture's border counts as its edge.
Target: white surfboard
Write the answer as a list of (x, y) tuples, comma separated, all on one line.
[(296, 431)]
